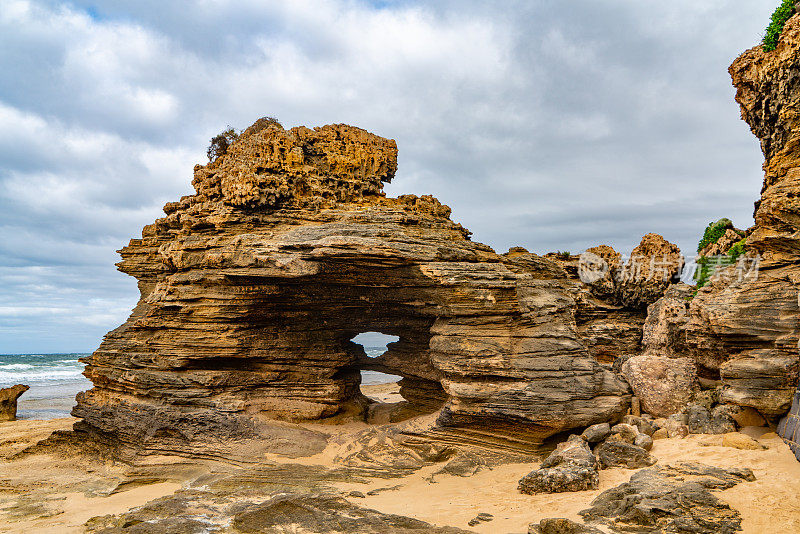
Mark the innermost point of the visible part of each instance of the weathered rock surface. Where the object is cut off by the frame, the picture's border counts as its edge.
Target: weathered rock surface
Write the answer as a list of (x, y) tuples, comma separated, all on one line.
[(664, 331), (637, 281), (620, 454), (613, 292), (702, 421), (789, 426), (325, 514), (746, 326), (663, 384), (671, 499), (8, 401), (202, 511), (561, 526), (571, 467), (747, 417), (252, 288)]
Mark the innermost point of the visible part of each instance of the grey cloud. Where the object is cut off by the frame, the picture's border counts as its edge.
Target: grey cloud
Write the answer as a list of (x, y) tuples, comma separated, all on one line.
[(553, 125)]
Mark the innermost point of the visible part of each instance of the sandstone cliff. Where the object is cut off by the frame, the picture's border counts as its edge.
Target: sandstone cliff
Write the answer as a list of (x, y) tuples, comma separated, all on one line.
[(252, 288), (746, 328)]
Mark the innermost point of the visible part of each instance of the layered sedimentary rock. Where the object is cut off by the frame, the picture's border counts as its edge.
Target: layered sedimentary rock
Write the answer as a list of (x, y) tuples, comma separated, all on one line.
[(745, 326), (252, 288), (612, 293)]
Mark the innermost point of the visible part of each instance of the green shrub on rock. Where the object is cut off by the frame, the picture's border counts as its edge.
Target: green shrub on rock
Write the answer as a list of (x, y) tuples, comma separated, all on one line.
[(713, 232), (777, 22), (736, 250), (220, 143)]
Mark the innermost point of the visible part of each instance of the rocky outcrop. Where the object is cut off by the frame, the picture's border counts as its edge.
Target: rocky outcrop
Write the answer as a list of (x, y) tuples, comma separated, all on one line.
[(664, 376), (8, 401), (612, 292), (327, 514), (744, 326), (253, 287)]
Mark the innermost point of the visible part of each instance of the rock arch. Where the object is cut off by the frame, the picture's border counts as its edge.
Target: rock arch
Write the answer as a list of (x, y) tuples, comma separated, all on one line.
[(253, 287)]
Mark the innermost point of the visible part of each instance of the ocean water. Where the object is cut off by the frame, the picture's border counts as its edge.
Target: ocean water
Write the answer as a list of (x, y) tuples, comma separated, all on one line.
[(55, 379), (370, 378)]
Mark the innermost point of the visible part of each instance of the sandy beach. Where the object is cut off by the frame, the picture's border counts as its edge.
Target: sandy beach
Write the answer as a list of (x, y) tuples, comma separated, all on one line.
[(52, 493)]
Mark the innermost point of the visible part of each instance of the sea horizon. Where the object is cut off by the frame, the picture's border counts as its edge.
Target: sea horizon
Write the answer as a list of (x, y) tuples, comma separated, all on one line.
[(55, 378)]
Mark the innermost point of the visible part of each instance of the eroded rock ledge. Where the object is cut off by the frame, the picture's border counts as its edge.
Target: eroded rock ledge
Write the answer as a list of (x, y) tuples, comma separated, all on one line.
[(252, 288)]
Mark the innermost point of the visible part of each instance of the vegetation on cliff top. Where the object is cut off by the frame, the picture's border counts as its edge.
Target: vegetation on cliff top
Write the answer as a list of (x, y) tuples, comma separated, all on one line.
[(222, 141), (777, 22), (713, 232), (707, 265)]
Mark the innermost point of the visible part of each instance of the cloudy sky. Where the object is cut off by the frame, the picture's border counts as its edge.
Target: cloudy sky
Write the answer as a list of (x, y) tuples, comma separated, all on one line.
[(551, 124)]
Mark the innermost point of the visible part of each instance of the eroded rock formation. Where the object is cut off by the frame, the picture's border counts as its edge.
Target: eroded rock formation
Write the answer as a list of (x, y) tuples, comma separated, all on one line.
[(612, 293), (252, 288), (8, 401)]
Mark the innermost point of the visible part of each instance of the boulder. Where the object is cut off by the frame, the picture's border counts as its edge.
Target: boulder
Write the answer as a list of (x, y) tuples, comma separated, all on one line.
[(623, 432), (8, 401), (644, 441), (597, 433), (561, 526), (664, 385), (701, 421), (645, 426), (671, 499), (571, 467), (661, 433), (619, 454), (737, 440)]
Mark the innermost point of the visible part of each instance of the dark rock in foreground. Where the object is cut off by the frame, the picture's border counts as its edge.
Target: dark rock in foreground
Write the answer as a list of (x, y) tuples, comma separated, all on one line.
[(323, 514), (671, 499), (571, 467), (561, 526)]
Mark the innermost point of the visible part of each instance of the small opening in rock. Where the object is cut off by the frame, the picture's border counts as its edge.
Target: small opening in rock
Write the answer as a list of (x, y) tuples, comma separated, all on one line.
[(374, 343), (381, 387)]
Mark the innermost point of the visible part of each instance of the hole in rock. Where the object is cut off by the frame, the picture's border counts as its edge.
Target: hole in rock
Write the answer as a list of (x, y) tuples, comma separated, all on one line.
[(381, 387), (374, 343)]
